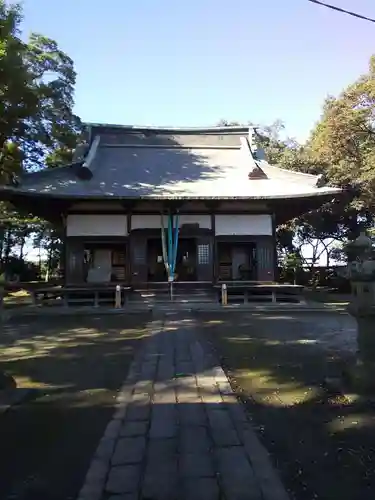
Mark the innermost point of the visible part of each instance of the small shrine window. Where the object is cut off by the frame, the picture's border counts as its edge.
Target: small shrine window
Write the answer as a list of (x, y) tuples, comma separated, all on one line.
[(203, 254)]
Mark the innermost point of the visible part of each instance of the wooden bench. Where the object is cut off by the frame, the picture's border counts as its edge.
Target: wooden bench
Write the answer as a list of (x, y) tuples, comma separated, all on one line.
[(246, 292), (92, 295)]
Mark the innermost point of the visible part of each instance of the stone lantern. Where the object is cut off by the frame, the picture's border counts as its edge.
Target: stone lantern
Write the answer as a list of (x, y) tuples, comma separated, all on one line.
[(361, 273)]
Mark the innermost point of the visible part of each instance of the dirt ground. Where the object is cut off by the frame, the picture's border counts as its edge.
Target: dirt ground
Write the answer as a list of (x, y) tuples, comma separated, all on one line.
[(74, 367), (323, 444)]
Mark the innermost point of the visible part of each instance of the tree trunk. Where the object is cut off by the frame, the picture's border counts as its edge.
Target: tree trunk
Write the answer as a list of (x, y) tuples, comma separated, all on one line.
[(328, 261), (48, 267), (7, 248), (2, 238), (22, 244)]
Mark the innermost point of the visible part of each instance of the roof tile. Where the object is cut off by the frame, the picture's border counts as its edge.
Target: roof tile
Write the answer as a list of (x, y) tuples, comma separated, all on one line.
[(132, 163)]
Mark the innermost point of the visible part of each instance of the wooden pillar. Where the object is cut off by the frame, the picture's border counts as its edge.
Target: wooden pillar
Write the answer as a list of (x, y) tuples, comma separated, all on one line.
[(214, 249), (138, 257), (74, 253), (63, 256), (265, 259), (275, 259), (128, 248)]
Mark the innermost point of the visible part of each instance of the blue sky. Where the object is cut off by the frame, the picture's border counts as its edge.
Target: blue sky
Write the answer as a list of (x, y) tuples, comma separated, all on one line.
[(164, 62)]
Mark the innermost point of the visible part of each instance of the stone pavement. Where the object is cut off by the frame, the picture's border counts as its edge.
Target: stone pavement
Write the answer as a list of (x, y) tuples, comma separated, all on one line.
[(178, 431)]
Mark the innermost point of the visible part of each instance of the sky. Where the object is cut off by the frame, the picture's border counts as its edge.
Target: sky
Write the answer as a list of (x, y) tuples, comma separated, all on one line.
[(171, 63)]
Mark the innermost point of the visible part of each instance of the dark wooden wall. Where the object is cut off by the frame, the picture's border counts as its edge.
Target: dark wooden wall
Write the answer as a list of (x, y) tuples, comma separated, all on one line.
[(138, 252), (137, 265)]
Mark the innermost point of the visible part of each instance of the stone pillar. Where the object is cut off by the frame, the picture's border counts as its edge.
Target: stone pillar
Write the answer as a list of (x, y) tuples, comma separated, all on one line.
[(361, 272)]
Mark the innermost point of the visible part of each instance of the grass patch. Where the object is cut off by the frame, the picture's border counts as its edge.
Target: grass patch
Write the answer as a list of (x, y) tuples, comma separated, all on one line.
[(75, 367), (322, 443), (325, 297), (19, 298)]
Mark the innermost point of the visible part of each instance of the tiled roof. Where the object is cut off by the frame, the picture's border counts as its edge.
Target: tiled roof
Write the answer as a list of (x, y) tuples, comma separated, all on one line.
[(126, 162)]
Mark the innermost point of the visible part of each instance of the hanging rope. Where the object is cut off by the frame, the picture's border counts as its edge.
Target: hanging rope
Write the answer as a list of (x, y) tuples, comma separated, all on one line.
[(164, 244), (170, 248), (174, 244)]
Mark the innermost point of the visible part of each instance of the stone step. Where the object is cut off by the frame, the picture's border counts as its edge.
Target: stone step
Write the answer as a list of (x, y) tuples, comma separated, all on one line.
[(176, 289), (177, 297), (176, 294), (161, 300), (181, 295)]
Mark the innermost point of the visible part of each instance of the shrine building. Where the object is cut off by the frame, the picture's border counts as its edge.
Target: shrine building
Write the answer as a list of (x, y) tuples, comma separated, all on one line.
[(125, 184)]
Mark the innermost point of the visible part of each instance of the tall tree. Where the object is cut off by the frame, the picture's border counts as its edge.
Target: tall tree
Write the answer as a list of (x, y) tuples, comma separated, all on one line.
[(341, 149), (38, 127), (36, 96), (16, 102), (344, 140)]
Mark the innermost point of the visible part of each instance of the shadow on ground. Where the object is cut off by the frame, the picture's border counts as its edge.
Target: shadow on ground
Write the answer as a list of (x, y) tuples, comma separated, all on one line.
[(74, 366), (322, 443)]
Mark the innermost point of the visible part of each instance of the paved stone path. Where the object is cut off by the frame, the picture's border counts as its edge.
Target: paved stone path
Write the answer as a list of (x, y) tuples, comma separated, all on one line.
[(179, 432)]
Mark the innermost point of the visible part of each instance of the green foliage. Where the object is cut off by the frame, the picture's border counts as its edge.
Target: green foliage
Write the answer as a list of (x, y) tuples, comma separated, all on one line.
[(293, 261), (37, 125), (342, 150), (344, 139), (37, 81)]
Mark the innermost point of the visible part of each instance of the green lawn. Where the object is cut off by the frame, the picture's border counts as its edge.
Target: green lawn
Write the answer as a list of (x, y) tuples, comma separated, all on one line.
[(323, 444), (74, 367), (328, 298), (18, 298)]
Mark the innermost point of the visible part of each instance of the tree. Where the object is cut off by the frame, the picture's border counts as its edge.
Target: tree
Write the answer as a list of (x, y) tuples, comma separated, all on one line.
[(344, 140), (16, 102), (37, 125), (341, 149), (36, 96)]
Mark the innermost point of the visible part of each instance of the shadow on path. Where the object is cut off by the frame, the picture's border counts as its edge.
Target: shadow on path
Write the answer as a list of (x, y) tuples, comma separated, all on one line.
[(322, 443)]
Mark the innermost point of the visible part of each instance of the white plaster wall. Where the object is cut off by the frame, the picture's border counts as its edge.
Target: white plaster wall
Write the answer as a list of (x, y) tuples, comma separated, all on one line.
[(154, 221), (96, 225), (243, 224)]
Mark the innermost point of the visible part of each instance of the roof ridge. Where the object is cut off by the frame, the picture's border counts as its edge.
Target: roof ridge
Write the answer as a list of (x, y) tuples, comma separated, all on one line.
[(255, 172), (305, 174), (319, 179), (168, 146), (197, 130)]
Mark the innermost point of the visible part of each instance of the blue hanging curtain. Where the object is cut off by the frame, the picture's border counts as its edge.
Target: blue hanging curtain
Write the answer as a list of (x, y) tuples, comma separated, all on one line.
[(170, 253), (170, 245), (175, 243)]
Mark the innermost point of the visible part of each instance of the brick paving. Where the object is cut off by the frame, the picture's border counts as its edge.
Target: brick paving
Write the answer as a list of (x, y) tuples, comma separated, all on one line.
[(178, 431)]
